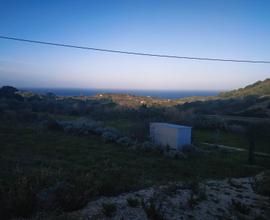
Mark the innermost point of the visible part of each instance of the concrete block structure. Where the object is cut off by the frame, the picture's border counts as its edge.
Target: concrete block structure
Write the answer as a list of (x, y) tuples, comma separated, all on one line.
[(172, 135)]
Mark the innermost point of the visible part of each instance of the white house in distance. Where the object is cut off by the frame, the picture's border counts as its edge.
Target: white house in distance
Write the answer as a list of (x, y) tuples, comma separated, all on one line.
[(173, 135)]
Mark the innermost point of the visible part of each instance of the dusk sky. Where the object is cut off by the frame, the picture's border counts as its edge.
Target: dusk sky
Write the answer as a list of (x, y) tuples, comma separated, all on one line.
[(229, 29)]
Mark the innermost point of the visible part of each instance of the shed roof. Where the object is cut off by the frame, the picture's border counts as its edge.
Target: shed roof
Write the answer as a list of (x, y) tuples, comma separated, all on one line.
[(172, 125)]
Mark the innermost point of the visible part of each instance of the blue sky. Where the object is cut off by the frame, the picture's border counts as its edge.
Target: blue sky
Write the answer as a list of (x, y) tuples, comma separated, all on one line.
[(233, 29)]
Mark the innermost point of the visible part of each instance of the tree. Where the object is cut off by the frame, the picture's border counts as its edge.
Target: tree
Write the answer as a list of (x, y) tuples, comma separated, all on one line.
[(9, 92)]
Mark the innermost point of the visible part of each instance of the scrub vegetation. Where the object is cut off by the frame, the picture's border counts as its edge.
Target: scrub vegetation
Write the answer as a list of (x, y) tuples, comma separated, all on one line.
[(52, 163)]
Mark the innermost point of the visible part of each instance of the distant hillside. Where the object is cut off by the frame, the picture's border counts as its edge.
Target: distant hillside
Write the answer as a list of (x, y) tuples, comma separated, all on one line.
[(260, 88)]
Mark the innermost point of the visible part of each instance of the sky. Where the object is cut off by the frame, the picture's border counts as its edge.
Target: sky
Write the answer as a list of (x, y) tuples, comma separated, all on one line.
[(229, 29)]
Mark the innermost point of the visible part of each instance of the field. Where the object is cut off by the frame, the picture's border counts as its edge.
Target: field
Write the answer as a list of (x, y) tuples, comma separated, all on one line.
[(82, 168), (230, 139), (204, 135)]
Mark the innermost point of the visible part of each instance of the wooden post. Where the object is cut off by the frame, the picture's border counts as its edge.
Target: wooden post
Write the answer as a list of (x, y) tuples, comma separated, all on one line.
[(251, 151), (251, 135)]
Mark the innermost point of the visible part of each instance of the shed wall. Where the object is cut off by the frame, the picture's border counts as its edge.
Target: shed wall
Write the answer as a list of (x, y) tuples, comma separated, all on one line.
[(168, 134), (164, 135)]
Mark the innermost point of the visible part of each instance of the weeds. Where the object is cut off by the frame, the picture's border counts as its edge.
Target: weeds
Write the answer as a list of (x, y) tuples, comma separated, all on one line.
[(197, 194), (153, 210), (19, 200), (192, 201)]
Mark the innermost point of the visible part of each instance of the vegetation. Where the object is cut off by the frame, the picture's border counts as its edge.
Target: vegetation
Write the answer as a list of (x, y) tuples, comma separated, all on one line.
[(239, 207), (109, 209), (260, 88), (64, 171), (53, 162), (152, 211), (133, 202), (232, 139)]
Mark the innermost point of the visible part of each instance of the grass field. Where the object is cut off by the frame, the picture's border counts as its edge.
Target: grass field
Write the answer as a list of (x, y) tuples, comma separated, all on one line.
[(262, 144), (34, 160)]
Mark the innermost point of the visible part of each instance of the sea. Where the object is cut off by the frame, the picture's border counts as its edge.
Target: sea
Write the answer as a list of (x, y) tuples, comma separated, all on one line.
[(164, 94)]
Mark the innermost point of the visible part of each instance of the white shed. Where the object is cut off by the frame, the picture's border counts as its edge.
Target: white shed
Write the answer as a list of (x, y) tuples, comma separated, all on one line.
[(173, 135)]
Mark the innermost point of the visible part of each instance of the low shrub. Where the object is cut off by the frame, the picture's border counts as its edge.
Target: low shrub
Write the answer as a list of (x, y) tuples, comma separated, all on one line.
[(109, 209), (133, 202), (153, 210), (147, 145), (125, 141), (262, 185)]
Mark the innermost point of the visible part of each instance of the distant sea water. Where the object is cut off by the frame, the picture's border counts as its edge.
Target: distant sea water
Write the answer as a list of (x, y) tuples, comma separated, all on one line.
[(165, 94)]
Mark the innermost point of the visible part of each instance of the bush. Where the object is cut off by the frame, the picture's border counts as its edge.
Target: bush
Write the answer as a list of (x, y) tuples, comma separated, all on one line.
[(262, 184), (52, 124), (98, 130), (133, 202), (240, 207), (109, 136), (147, 145), (109, 209)]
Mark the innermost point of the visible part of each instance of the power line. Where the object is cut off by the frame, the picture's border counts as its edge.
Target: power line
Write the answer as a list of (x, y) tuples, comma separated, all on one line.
[(135, 53)]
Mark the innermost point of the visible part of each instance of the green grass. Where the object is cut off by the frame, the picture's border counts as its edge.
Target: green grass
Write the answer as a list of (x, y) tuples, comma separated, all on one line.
[(230, 139), (33, 160)]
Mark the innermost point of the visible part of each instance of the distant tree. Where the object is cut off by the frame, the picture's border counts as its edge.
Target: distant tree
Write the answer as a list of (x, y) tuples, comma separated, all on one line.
[(9, 92)]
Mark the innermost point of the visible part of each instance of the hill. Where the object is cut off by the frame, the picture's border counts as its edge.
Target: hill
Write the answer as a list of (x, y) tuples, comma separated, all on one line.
[(260, 88)]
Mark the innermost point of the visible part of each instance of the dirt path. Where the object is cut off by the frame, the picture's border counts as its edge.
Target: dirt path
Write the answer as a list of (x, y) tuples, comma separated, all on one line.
[(261, 154)]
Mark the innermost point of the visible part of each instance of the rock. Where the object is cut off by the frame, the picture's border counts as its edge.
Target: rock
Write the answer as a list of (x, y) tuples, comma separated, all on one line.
[(179, 202)]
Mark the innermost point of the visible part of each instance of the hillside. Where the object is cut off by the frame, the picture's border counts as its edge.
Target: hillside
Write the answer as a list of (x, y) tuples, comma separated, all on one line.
[(260, 88)]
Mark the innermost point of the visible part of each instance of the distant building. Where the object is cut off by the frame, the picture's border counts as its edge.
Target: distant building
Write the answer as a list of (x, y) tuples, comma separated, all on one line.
[(175, 136)]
